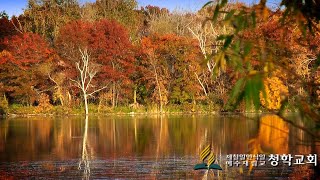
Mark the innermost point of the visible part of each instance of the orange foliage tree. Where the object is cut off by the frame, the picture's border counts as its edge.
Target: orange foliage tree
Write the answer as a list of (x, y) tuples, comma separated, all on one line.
[(170, 62), (19, 60)]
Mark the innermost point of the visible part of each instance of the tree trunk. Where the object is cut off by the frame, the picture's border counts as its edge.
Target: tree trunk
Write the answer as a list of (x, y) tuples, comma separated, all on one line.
[(113, 90), (100, 103), (69, 99), (117, 98), (85, 102), (203, 88), (113, 94), (135, 95), (159, 88), (61, 97)]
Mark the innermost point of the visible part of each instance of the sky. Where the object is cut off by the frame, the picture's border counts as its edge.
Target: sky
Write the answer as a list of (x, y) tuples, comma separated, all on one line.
[(15, 7)]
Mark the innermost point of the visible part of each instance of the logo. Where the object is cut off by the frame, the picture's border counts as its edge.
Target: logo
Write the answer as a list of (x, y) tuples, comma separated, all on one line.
[(207, 154)]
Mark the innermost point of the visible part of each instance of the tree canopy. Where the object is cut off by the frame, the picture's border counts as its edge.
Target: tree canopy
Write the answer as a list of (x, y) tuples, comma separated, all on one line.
[(222, 54)]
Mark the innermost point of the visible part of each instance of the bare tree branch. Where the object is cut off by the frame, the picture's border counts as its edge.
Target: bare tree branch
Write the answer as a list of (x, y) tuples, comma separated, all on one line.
[(77, 83), (97, 90)]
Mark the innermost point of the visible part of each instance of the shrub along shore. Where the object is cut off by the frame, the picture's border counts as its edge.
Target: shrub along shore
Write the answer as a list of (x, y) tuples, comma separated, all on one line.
[(19, 110)]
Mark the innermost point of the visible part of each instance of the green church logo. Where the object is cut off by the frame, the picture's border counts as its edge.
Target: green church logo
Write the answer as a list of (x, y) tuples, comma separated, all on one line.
[(207, 154)]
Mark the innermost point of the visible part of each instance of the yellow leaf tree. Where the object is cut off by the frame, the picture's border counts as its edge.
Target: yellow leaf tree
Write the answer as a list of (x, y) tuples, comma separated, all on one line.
[(275, 91)]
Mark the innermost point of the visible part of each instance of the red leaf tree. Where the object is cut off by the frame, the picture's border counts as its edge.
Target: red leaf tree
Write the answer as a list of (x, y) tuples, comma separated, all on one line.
[(20, 59), (109, 46)]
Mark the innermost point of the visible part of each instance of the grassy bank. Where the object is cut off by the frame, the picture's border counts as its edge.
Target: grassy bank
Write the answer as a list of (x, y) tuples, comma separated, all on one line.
[(17, 109)]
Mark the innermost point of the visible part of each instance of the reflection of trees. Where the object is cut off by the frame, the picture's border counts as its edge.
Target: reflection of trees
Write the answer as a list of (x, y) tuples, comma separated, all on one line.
[(163, 136), (142, 137), (127, 136), (273, 136), (38, 132), (162, 140), (85, 157), (277, 137), (3, 134)]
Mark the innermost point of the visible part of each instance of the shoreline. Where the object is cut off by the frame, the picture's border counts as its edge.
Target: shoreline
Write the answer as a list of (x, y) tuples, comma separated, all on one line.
[(14, 115), (94, 110)]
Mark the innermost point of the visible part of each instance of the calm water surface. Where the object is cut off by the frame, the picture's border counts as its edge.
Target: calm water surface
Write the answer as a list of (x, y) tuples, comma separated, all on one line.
[(145, 146)]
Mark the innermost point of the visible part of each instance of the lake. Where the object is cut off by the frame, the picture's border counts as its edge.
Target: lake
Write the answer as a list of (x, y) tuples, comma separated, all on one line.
[(150, 147)]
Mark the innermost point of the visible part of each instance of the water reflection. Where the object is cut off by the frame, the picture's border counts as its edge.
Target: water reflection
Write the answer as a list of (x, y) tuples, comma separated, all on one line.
[(135, 147), (272, 136), (84, 162)]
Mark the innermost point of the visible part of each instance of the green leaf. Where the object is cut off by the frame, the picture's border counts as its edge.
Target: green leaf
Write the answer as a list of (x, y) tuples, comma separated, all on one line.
[(258, 82), (223, 3), (218, 59), (245, 22), (238, 24), (236, 46), (285, 14), (247, 48), (236, 93), (208, 3), (237, 62), (283, 106), (227, 41), (208, 58), (316, 64), (216, 13), (238, 100), (252, 91), (229, 15), (253, 17), (310, 27), (303, 29), (263, 90), (237, 88), (318, 61), (221, 37)]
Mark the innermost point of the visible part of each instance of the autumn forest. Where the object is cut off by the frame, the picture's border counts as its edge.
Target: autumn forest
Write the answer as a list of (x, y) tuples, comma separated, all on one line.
[(124, 58), (171, 94)]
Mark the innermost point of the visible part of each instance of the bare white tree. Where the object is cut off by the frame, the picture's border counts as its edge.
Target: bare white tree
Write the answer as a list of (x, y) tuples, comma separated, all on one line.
[(87, 72), (206, 35)]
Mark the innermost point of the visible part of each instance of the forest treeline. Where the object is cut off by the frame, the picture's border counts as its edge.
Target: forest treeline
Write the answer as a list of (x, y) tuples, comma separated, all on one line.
[(144, 57)]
